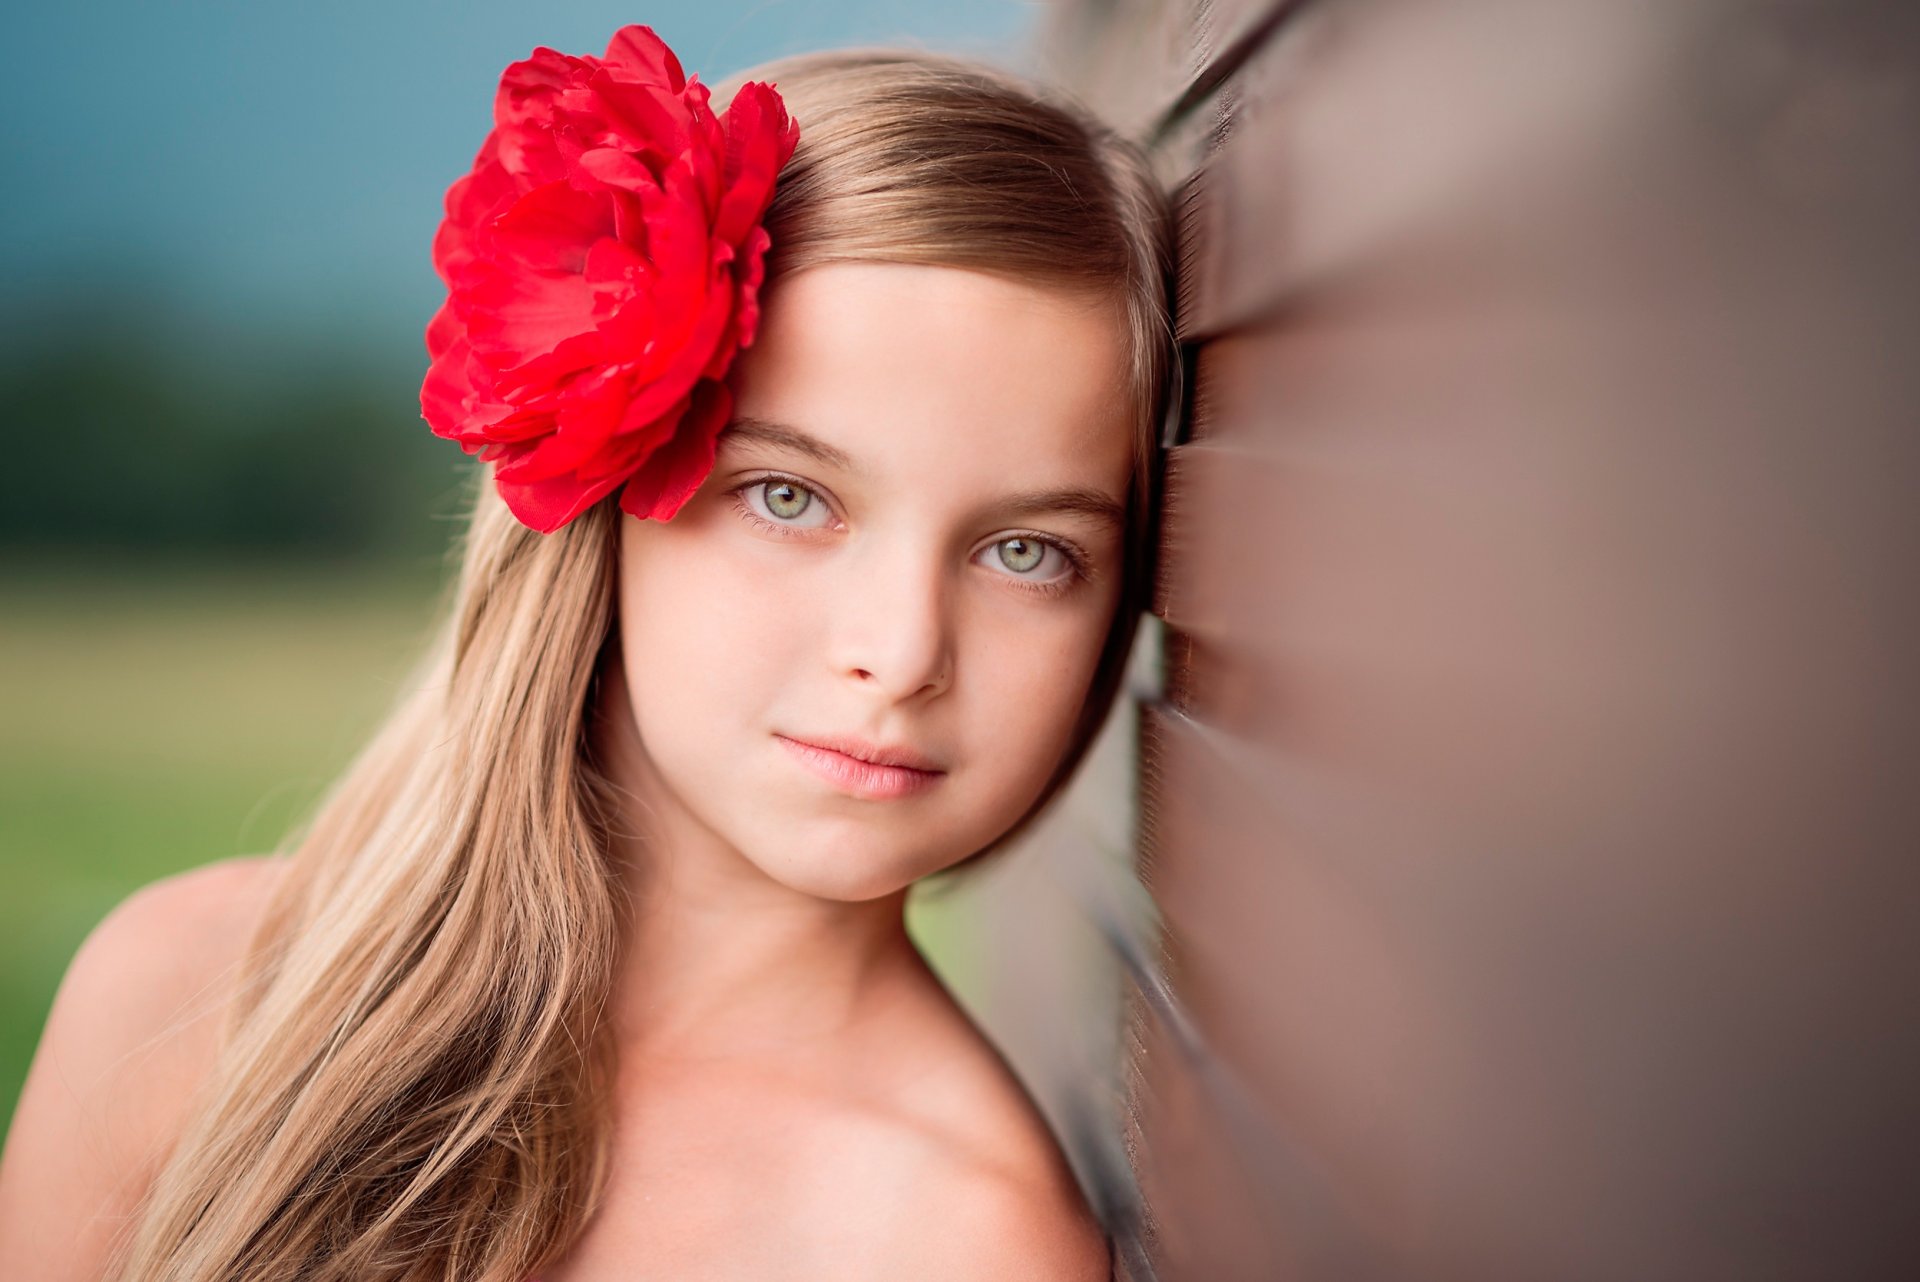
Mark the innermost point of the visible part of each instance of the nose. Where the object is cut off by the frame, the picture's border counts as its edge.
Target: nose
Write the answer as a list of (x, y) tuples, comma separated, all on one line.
[(893, 631)]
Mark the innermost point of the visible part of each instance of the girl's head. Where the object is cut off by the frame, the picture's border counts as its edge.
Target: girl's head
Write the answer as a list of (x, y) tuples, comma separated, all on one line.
[(926, 530), (966, 303)]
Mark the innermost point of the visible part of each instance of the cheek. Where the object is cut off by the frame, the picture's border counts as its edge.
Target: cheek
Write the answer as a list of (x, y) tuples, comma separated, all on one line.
[(1031, 684), (704, 633)]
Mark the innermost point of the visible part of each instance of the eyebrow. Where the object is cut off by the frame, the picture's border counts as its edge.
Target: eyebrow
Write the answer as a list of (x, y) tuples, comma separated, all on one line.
[(1092, 504), (765, 432), (1078, 500)]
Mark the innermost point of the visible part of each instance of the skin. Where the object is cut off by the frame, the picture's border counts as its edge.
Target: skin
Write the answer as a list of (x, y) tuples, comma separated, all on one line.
[(798, 1095)]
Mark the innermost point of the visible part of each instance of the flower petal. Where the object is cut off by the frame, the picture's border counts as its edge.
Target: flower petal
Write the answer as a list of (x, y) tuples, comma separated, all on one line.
[(672, 474), (451, 404), (760, 138), (524, 114), (639, 118), (639, 54), (547, 505)]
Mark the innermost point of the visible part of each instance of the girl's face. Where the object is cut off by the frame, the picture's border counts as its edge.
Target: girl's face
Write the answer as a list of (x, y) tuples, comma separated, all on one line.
[(911, 539)]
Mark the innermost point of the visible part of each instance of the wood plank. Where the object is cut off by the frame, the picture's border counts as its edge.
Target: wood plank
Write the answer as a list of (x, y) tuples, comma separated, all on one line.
[(1540, 581), (1372, 123), (1532, 805)]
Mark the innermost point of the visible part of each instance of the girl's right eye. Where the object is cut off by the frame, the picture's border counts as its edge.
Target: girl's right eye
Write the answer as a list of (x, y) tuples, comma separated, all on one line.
[(782, 503)]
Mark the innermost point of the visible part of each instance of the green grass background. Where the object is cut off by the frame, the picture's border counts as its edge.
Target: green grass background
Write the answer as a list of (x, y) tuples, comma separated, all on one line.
[(149, 723)]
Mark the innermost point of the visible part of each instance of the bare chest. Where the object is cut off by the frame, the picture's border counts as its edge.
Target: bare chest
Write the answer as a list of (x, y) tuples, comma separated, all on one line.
[(724, 1182)]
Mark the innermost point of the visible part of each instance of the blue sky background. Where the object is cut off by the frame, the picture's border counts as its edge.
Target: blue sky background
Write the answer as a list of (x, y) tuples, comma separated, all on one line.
[(262, 169)]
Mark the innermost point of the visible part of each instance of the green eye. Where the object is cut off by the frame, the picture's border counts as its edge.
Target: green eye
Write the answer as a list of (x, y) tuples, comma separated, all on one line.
[(1021, 554), (785, 499)]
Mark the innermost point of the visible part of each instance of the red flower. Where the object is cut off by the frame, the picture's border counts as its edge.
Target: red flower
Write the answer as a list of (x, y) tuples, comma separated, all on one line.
[(603, 262)]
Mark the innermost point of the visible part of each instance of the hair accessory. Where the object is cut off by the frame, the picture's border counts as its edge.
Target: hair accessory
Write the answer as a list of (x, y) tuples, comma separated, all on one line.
[(603, 261)]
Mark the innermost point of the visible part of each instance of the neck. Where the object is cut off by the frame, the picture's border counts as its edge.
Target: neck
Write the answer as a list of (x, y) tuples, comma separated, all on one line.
[(719, 959)]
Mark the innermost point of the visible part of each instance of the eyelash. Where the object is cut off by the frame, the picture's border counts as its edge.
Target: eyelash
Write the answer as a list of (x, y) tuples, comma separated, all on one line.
[(1080, 570)]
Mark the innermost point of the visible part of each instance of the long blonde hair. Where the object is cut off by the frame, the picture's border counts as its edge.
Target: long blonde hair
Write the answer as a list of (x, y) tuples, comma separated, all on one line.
[(414, 1081)]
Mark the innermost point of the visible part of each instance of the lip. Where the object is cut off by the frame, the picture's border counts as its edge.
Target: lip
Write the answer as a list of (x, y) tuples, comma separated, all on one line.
[(874, 780)]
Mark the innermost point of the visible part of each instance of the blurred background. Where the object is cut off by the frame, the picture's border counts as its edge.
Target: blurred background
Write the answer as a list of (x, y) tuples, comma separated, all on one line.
[(224, 521)]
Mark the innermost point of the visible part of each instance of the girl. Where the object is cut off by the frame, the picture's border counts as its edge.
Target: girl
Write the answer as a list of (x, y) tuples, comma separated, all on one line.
[(593, 966)]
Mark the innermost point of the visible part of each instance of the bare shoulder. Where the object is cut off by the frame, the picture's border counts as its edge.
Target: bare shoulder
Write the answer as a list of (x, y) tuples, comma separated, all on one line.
[(1001, 1200), (988, 1223), (132, 1030)]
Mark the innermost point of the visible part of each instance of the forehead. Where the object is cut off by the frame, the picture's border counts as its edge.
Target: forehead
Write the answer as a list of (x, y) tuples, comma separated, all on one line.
[(985, 381)]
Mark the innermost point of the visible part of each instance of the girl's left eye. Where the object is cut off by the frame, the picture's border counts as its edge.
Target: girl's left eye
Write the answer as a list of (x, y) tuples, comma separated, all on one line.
[(1038, 564)]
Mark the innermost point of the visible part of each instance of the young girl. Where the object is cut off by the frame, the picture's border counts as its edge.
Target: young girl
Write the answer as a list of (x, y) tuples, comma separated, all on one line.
[(806, 566)]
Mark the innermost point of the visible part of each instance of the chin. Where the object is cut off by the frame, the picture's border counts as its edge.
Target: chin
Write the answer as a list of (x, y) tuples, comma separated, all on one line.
[(849, 871)]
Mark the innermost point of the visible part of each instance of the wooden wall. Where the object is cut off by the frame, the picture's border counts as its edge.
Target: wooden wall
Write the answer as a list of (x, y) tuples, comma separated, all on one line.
[(1531, 804)]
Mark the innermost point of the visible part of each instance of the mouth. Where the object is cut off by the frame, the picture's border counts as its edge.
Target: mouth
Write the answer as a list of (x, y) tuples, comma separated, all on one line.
[(869, 780)]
